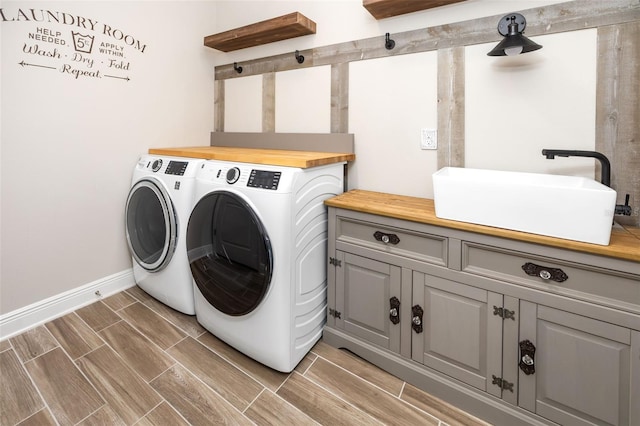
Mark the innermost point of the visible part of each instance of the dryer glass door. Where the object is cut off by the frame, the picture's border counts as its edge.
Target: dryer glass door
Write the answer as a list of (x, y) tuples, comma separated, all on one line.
[(229, 253), (151, 225)]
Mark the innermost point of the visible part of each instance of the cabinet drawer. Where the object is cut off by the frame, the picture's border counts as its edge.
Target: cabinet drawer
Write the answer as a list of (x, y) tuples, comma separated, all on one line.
[(571, 279), (415, 245)]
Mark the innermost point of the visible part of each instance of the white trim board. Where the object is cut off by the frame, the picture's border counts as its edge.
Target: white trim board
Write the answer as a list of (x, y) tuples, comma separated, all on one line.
[(20, 320)]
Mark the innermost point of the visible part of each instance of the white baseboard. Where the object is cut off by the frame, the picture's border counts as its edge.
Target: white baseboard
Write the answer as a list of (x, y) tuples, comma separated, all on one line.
[(20, 320)]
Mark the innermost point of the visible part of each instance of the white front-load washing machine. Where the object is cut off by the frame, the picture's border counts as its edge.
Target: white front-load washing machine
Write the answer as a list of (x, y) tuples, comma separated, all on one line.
[(257, 247), (156, 216)]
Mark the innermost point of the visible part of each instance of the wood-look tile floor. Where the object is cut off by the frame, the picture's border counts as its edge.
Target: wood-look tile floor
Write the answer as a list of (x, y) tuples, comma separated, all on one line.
[(129, 359)]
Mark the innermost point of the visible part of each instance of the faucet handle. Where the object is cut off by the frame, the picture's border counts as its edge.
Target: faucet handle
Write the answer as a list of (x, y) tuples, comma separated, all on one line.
[(624, 209)]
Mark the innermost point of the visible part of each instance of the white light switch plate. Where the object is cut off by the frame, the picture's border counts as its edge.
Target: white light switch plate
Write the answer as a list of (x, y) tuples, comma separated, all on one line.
[(429, 139)]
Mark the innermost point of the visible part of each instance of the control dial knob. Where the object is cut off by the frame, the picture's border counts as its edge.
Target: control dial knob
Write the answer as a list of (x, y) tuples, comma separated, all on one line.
[(233, 174), (156, 165)]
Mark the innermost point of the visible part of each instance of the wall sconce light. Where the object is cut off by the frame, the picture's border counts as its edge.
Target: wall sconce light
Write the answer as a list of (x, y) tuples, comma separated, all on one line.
[(514, 43)]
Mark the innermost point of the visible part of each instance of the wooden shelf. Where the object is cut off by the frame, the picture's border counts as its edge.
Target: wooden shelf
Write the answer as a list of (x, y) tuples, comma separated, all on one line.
[(273, 157), (281, 28), (381, 9)]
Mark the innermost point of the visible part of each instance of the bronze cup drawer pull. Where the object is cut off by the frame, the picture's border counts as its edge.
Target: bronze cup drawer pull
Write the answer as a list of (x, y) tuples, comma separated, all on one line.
[(386, 238), (552, 274)]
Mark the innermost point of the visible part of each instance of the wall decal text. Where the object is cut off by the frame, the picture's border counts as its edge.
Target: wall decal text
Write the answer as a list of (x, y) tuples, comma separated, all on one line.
[(75, 46)]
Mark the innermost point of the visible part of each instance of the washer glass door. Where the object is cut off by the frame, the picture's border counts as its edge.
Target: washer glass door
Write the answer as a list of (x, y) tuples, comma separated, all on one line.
[(229, 253), (151, 224)]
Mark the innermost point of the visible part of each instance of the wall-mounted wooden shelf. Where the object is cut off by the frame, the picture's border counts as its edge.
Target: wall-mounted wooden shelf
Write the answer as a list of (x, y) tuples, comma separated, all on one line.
[(381, 9), (281, 28)]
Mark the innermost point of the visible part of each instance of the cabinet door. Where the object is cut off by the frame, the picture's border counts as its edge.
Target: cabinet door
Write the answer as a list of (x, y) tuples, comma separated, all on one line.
[(461, 336), (364, 288), (584, 368)]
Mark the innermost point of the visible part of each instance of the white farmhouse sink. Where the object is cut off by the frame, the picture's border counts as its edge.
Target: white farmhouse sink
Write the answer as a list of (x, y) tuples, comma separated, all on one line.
[(571, 207)]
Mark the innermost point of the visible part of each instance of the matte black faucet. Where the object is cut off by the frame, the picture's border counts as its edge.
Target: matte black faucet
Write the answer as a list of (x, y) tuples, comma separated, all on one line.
[(605, 177)]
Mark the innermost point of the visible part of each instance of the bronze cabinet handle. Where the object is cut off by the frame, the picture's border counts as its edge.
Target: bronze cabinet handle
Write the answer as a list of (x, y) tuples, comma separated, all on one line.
[(416, 318), (527, 357), (551, 274), (386, 238), (394, 310)]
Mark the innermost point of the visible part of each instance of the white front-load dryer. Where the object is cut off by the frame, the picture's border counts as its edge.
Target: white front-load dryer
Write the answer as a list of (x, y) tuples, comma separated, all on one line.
[(156, 215), (257, 247)]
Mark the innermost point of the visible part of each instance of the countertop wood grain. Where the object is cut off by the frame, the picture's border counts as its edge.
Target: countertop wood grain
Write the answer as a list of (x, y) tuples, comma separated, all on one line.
[(624, 243), (274, 157)]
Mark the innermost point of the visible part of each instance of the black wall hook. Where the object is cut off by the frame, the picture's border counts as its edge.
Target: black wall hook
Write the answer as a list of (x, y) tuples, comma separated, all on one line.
[(299, 57), (388, 43), (237, 68)]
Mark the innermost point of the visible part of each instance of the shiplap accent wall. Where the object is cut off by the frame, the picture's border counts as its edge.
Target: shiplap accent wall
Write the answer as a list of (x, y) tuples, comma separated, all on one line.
[(618, 87)]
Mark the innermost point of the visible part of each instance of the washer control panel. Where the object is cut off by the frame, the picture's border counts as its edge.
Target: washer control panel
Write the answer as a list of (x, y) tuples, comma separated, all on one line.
[(264, 179), (176, 168)]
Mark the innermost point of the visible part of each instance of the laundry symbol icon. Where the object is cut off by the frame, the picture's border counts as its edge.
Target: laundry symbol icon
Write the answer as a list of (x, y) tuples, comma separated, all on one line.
[(82, 43)]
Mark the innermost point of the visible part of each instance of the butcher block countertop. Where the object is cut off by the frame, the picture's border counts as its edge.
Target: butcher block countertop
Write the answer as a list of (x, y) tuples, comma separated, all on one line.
[(273, 157), (624, 243)]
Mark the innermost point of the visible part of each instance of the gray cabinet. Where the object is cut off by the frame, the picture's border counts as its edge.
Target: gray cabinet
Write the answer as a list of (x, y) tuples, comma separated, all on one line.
[(467, 317), (583, 368), (461, 336), (365, 306)]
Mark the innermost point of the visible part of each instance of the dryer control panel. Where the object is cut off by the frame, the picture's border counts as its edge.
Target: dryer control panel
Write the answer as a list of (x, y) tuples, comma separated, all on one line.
[(264, 179), (176, 168)]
